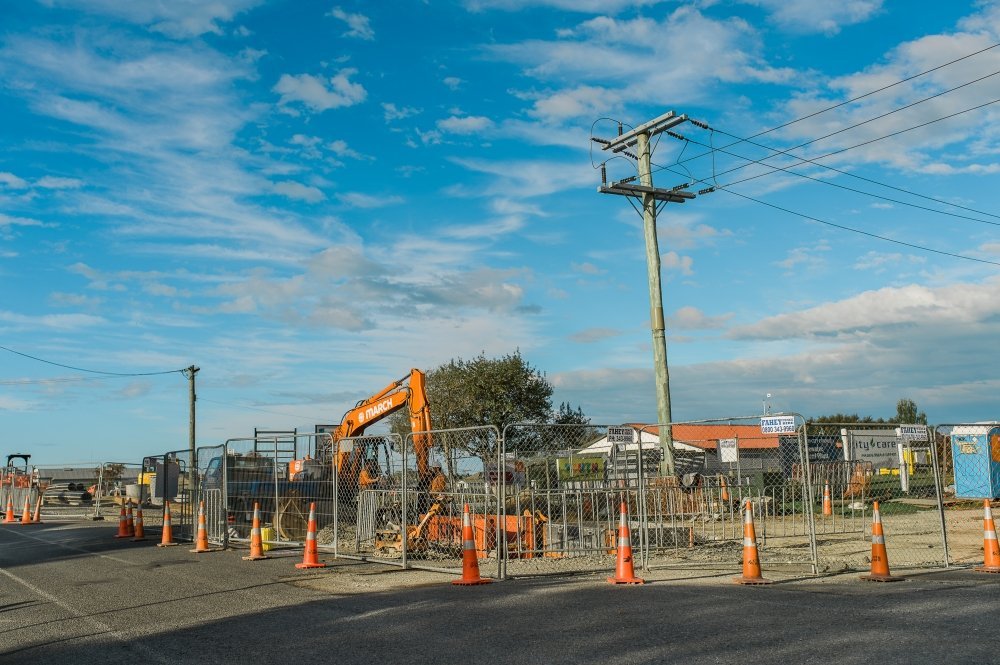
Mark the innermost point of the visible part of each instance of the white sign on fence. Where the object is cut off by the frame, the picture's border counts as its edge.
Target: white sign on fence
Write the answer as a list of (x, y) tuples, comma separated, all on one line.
[(777, 425), (875, 446), (912, 432), (621, 435), (729, 451)]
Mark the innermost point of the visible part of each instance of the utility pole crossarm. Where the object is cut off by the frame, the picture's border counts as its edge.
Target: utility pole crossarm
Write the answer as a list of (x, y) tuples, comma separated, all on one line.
[(651, 128), (638, 191)]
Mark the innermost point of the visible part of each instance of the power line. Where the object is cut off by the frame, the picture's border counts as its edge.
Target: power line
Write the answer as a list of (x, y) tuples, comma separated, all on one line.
[(859, 97), (725, 188), (865, 233), (788, 170), (788, 151), (90, 371)]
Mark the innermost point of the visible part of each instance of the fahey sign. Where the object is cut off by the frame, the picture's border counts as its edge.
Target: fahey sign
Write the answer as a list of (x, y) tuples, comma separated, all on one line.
[(777, 425)]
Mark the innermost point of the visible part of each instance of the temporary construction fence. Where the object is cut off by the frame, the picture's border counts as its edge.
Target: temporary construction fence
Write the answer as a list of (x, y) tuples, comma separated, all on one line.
[(545, 499)]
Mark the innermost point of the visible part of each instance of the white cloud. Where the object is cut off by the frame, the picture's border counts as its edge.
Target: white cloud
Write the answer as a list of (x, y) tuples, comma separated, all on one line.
[(692, 318), (585, 6), (452, 82), (12, 181), (591, 335), (808, 16), (954, 305), (51, 321), (368, 201), (8, 221), (359, 24), (393, 113), (674, 261), (316, 94), (55, 182), (299, 192), (464, 125), (341, 149), (604, 61), (177, 18), (527, 178)]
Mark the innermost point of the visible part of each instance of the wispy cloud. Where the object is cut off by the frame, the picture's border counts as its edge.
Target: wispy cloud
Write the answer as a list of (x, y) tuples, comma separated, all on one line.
[(358, 25), (319, 94)]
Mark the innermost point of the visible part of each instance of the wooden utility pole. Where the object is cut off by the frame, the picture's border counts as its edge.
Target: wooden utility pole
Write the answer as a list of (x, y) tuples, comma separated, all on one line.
[(650, 196), (190, 373)]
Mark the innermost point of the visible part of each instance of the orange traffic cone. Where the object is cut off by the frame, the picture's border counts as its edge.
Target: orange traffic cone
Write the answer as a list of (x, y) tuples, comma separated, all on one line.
[(470, 559), (140, 532), (256, 542), (9, 518), (624, 570), (37, 519), (827, 502), (123, 524), (751, 560), (724, 488), (167, 537), (880, 560), (130, 521), (26, 513), (310, 556), (991, 551), (201, 541)]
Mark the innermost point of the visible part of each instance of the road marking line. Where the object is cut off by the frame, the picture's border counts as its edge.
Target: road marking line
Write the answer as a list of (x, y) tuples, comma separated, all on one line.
[(100, 625), (70, 547)]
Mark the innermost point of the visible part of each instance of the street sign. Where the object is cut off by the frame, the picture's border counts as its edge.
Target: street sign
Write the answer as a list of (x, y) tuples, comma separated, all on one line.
[(777, 425), (621, 435), (912, 433), (728, 451)]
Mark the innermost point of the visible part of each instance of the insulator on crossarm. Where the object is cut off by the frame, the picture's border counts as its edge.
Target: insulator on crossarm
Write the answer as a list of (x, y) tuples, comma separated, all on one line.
[(680, 187), (601, 141), (679, 137), (604, 174), (619, 129), (707, 190), (627, 180), (698, 123)]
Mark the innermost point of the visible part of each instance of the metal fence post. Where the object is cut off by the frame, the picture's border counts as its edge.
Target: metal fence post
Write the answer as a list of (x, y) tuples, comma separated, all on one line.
[(939, 490)]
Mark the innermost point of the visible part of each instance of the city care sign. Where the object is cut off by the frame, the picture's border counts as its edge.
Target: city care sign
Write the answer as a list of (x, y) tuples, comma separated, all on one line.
[(777, 425), (877, 446)]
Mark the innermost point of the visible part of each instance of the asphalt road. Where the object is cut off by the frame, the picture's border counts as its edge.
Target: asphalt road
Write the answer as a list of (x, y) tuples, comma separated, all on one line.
[(71, 593)]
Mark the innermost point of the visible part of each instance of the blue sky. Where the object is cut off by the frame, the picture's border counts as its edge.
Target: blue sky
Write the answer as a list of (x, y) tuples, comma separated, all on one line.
[(306, 199)]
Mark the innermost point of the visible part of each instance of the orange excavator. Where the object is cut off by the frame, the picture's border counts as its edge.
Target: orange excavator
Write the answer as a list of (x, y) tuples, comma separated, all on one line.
[(356, 460)]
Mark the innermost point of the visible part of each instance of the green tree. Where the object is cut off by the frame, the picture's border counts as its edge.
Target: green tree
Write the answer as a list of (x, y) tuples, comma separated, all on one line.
[(488, 391), (567, 416), (907, 413)]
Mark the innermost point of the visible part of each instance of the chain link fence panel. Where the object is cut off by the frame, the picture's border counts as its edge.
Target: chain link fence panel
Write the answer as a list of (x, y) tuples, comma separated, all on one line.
[(969, 460), (874, 463)]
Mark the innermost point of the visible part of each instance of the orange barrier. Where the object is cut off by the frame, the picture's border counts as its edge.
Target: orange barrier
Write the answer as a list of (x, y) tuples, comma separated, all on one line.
[(26, 513), (991, 550), (751, 560), (123, 524), (880, 559), (167, 535), (140, 532), (725, 489), (624, 569), (470, 560), (827, 501), (310, 556), (201, 541), (10, 519), (256, 542)]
